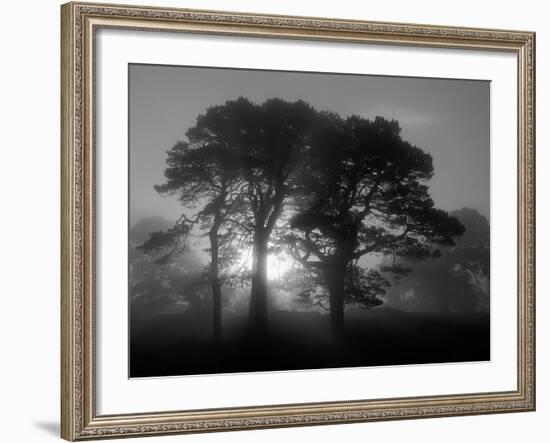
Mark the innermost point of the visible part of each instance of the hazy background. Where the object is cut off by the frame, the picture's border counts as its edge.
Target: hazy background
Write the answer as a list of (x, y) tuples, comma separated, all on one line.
[(450, 119)]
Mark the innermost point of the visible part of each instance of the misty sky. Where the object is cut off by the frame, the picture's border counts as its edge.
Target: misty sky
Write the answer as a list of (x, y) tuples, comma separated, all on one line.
[(450, 119)]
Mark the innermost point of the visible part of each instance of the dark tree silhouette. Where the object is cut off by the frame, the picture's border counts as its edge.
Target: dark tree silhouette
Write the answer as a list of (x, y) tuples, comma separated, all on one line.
[(363, 192), (269, 141), (354, 186), (204, 173)]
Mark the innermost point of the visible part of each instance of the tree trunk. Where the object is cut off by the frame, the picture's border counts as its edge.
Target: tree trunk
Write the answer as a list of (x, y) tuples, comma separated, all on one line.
[(216, 287), (258, 292), (335, 282)]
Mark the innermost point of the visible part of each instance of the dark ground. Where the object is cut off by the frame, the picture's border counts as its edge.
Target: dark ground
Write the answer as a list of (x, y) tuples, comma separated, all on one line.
[(177, 344)]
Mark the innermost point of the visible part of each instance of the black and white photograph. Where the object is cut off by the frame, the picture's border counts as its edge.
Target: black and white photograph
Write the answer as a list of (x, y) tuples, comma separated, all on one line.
[(283, 220)]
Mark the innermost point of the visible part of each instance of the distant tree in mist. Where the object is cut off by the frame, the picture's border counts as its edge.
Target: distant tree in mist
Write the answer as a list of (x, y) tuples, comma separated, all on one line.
[(471, 254), (153, 287), (364, 192), (456, 281)]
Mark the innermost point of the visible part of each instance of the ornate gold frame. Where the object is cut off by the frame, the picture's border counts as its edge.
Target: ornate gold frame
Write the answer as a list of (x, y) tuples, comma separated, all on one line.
[(79, 21)]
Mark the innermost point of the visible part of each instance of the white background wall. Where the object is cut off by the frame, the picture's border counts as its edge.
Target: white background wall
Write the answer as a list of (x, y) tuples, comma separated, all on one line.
[(29, 221)]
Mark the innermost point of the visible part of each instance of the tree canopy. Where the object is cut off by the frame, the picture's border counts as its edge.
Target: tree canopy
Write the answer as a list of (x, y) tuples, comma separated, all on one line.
[(327, 189), (364, 191)]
